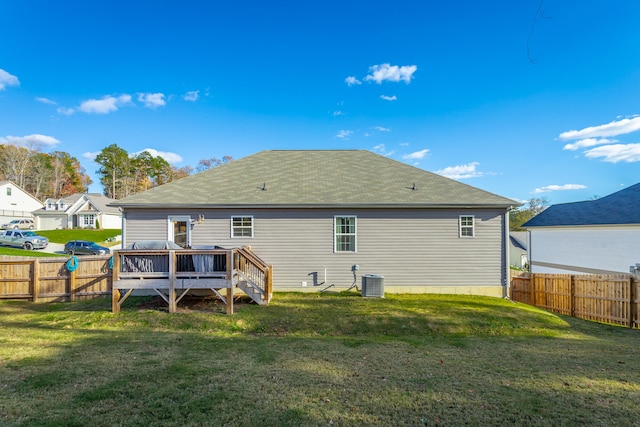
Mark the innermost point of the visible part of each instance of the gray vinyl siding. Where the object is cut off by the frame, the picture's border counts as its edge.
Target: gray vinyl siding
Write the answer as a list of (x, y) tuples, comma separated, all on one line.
[(409, 247)]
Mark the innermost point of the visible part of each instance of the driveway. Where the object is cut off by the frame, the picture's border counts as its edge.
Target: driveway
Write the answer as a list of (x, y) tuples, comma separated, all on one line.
[(58, 248), (54, 248)]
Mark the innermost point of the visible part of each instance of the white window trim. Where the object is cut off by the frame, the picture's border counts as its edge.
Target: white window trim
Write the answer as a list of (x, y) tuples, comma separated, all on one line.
[(252, 226), (171, 219), (473, 226), (89, 220), (335, 235)]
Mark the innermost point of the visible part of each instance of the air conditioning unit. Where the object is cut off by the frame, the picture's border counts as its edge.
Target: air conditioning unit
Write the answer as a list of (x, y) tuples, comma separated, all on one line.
[(372, 285)]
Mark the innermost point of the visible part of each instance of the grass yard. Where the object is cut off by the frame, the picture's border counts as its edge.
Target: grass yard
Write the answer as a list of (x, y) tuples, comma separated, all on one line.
[(15, 252), (314, 359), (63, 236)]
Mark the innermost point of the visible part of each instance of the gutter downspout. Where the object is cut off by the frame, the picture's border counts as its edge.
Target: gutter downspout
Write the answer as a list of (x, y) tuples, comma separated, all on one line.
[(507, 267)]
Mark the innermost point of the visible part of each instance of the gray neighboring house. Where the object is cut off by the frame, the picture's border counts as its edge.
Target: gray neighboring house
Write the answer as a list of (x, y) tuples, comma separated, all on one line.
[(592, 237), (80, 210), (324, 218), (518, 249)]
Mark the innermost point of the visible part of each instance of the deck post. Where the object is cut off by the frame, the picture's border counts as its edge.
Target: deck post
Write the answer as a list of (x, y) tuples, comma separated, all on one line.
[(230, 300), (229, 277), (115, 292), (172, 281)]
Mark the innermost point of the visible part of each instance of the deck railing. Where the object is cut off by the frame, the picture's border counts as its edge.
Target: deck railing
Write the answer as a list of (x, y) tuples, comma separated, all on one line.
[(172, 273)]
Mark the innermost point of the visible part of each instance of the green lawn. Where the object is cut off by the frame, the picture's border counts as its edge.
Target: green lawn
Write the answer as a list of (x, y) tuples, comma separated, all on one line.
[(63, 236), (5, 250), (314, 359)]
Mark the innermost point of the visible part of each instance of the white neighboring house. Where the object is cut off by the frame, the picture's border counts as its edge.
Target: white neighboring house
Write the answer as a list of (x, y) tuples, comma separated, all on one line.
[(15, 202), (592, 237), (79, 210)]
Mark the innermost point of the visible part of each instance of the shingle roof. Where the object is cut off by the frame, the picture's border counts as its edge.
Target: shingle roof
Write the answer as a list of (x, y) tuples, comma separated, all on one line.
[(315, 178), (518, 239), (101, 202), (621, 207)]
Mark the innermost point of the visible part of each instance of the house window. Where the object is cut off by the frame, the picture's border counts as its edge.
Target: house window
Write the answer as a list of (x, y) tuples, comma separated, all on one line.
[(8, 191), (466, 226), (345, 233), (241, 226), (89, 220)]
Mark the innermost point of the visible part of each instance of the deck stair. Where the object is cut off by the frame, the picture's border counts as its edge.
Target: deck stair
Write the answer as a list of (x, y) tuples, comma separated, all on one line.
[(253, 275)]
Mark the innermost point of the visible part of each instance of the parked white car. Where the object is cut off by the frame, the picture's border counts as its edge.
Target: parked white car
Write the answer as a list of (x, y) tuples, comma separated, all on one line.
[(24, 224)]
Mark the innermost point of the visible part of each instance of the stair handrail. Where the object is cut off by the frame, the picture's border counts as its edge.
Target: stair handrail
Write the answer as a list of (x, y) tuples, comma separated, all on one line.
[(253, 261)]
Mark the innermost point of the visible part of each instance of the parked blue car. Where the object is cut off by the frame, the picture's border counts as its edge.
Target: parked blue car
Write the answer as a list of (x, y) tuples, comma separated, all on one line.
[(84, 247)]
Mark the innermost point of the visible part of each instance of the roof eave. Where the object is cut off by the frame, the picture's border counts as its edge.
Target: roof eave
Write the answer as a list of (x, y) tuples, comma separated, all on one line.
[(315, 206)]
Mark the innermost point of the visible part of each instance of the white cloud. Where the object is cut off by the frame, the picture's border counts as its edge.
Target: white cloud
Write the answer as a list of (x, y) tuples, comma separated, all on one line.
[(344, 134), (392, 73), (404, 144), (65, 111), (615, 153), (388, 98), (338, 113), (350, 81), (46, 101), (554, 187), (152, 100), (29, 140), (172, 158), (588, 142), (192, 95), (382, 129), (381, 149), (617, 127), (7, 79), (417, 155), (107, 104), (91, 155), (461, 171)]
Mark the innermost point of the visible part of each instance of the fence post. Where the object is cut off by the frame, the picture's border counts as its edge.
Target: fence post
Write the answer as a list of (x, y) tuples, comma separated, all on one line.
[(572, 296), (633, 306), (35, 285), (532, 284), (72, 285)]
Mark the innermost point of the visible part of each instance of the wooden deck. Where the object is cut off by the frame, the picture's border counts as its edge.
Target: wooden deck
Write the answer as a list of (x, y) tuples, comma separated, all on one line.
[(174, 273)]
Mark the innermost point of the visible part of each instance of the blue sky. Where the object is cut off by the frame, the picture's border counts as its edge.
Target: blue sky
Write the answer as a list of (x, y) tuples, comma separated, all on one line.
[(521, 98)]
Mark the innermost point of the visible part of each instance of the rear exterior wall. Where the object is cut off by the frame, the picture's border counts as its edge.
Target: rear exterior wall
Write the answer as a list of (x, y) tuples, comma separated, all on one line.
[(416, 250)]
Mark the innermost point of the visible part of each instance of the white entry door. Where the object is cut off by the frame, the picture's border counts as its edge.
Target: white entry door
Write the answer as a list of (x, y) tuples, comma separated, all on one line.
[(179, 230)]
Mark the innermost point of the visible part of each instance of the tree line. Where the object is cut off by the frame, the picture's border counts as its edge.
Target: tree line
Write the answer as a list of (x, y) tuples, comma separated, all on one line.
[(522, 214), (58, 174)]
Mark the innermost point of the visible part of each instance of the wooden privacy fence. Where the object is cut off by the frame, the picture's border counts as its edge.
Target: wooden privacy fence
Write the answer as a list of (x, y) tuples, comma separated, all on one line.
[(49, 279), (610, 298)]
